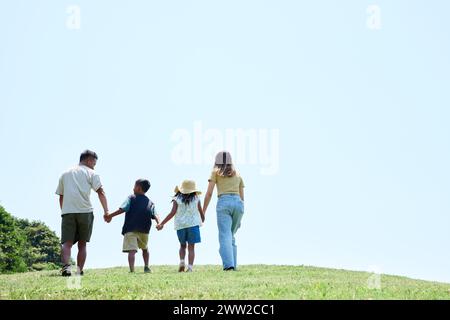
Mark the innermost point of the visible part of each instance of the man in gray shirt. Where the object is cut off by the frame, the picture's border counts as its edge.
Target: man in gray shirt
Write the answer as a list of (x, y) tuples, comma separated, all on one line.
[(74, 190)]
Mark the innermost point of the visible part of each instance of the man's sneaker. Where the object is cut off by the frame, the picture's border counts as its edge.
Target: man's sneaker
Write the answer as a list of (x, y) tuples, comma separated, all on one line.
[(147, 270), (66, 272), (182, 267)]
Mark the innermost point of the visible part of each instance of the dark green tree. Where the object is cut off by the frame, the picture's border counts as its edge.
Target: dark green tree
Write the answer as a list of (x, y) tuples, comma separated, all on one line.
[(13, 244), (43, 247), (26, 246)]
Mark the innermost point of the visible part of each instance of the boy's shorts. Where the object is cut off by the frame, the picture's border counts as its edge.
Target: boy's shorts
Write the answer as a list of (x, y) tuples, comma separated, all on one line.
[(189, 235), (133, 241), (76, 227)]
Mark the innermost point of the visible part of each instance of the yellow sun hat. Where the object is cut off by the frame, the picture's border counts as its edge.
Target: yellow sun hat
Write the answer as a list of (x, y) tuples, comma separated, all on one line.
[(187, 187)]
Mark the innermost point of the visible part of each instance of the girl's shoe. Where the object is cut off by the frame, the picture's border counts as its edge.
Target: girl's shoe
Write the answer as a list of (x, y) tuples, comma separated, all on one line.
[(147, 270), (189, 270), (182, 268)]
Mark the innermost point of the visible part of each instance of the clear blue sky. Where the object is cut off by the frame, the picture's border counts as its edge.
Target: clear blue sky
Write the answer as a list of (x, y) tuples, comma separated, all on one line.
[(363, 119)]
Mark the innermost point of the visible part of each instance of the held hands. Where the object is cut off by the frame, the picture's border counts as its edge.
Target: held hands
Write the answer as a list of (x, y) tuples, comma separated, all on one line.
[(107, 217), (159, 227)]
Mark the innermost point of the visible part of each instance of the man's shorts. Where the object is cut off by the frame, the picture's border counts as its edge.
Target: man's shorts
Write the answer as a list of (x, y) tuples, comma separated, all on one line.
[(133, 241), (76, 227), (189, 235)]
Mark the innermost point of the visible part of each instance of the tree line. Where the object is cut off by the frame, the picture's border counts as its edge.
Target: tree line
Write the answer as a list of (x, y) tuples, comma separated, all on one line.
[(27, 245)]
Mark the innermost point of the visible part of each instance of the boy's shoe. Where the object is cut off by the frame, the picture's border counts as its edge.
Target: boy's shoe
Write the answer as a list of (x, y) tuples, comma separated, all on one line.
[(182, 268), (147, 270), (189, 270), (66, 272), (81, 273)]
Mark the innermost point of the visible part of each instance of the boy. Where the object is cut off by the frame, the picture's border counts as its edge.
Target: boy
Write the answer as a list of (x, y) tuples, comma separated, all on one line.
[(140, 211)]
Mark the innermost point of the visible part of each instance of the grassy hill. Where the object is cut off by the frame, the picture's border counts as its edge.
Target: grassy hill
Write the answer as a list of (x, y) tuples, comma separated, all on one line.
[(209, 282)]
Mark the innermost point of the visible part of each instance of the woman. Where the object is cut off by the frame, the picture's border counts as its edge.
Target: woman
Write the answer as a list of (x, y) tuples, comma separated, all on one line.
[(230, 207)]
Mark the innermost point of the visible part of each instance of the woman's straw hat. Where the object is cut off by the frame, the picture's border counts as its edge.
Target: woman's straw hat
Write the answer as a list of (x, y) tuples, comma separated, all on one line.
[(187, 187)]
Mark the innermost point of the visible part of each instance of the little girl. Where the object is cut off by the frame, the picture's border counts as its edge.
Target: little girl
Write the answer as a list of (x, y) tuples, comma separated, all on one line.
[(189, 216)]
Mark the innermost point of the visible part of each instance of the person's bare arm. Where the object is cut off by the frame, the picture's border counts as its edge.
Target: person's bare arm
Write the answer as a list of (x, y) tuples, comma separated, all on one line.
[(157, 219), (241, 193), (103, 200), (208, 196), (116, 213), (61, 200), (202, 215), (156, 216), (172, 214)]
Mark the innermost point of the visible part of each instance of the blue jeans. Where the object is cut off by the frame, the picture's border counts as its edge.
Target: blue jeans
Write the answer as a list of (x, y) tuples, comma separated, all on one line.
[(230, 209)]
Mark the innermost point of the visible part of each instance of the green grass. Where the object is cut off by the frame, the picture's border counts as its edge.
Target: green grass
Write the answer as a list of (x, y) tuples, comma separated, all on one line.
[(209, 282)]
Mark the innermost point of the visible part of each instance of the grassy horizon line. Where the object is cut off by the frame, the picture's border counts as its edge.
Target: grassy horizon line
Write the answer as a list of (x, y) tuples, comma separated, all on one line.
[(251, 282)]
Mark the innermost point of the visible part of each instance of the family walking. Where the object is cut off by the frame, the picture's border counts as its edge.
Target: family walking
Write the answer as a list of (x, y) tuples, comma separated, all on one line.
[(74, 191)]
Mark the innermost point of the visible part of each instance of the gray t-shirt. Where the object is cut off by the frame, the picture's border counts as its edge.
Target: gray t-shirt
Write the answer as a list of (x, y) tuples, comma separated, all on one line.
[(76, 185)]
